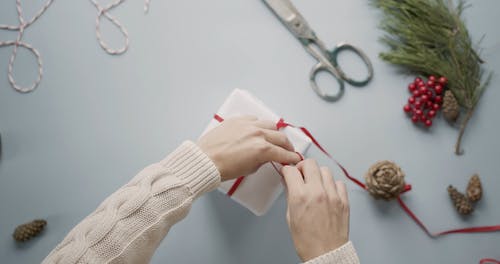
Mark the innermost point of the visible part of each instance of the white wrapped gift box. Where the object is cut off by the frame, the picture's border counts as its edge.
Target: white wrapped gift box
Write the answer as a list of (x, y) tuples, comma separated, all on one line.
[(258, 191)]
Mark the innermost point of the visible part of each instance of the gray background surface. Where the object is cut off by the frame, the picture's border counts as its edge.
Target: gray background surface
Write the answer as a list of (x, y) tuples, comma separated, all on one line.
[(96, 120)]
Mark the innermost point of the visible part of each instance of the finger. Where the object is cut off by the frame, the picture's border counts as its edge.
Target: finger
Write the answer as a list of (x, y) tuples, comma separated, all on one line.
[(342, 191), (279, 139), (266, 124), (311, 172), (328, 181), (293, 179), (279, 154)]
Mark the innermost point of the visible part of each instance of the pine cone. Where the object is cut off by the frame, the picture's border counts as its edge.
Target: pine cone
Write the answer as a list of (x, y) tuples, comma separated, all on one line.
[(385, 180), (451, 109), (29, 230), (474, 188), (461, 202)]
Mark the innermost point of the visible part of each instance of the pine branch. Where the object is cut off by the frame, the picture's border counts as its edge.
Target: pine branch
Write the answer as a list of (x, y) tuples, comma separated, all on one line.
[(429, 37)]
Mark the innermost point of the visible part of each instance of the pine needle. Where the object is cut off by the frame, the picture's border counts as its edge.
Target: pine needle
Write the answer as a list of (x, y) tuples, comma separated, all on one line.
[(429, 37)]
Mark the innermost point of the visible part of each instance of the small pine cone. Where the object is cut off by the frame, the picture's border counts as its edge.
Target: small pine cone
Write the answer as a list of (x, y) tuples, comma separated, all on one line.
[(451, 109), (461, 202), (385, 180), (474, 188), (29, 230)]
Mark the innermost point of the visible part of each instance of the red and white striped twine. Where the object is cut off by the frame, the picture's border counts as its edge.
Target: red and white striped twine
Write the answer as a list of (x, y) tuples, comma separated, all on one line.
[(23, 24)]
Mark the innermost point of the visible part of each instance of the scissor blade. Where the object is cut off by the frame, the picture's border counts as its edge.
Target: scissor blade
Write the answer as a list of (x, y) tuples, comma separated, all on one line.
[(291, 18), (284, 9)]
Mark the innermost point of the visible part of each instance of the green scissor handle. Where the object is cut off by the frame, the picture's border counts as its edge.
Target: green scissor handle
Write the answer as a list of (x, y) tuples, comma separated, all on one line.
[(345, 46), (320, 67), (334, 69)]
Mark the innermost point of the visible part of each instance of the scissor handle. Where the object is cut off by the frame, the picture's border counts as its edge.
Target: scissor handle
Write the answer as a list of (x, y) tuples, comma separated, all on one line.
[(346, 46), (320, 67)]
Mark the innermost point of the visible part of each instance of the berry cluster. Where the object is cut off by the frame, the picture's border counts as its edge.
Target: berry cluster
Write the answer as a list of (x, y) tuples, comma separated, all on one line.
[(425, 100)]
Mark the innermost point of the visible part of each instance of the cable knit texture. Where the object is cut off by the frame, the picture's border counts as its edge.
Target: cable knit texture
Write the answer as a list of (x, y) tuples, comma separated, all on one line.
[(129, 225), (345, 254)]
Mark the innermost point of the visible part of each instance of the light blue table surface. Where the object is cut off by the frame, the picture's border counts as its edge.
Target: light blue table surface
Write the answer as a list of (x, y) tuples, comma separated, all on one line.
[(96, 120)]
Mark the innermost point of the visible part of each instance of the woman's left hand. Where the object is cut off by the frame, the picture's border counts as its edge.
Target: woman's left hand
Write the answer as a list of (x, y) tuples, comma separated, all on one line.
[(239, 146)]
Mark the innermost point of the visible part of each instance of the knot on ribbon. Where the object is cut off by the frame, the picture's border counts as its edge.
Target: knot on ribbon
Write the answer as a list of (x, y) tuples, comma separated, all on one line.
[(281, 124)]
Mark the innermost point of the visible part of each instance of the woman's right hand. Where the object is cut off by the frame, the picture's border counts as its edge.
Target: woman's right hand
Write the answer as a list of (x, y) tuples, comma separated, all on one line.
[(318, 209), (239, 146)]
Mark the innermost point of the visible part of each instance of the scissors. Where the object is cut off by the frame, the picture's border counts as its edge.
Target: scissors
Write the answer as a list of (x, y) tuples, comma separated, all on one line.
[(327, 60)]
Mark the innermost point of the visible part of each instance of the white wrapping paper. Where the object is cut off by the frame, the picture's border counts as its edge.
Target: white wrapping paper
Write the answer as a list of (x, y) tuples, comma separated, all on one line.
[(258, 191)]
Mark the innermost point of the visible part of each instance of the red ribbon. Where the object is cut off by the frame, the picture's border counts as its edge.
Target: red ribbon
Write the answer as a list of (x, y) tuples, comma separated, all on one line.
[(489, 260), (235, 186), (238, 181), (282, 124)]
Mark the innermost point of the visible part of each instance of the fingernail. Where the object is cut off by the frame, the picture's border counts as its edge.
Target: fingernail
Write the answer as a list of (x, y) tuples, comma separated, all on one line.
[(300, 155)]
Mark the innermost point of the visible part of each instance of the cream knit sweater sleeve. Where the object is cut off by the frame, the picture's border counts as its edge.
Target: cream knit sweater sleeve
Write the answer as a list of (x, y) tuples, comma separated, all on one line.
[(129, 225)]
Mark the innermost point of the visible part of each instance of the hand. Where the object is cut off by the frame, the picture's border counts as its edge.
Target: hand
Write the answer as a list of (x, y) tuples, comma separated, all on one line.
[(239, 146), (318, 209)]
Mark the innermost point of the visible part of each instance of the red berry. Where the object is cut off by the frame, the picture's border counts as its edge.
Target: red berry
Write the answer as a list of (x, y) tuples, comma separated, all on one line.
[(436, 107), (430, 94), (428, 123), (418, 79), (416, 93), (418, 104), (432, 78), (407, 108), (422, 89), (428, 104), (424, 98), (438, 99), (411, 100), (443, 80), (431, 114), (438, 89), (412, 87), (430, 83), (414, 119), (423, 119), (419, 112)]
